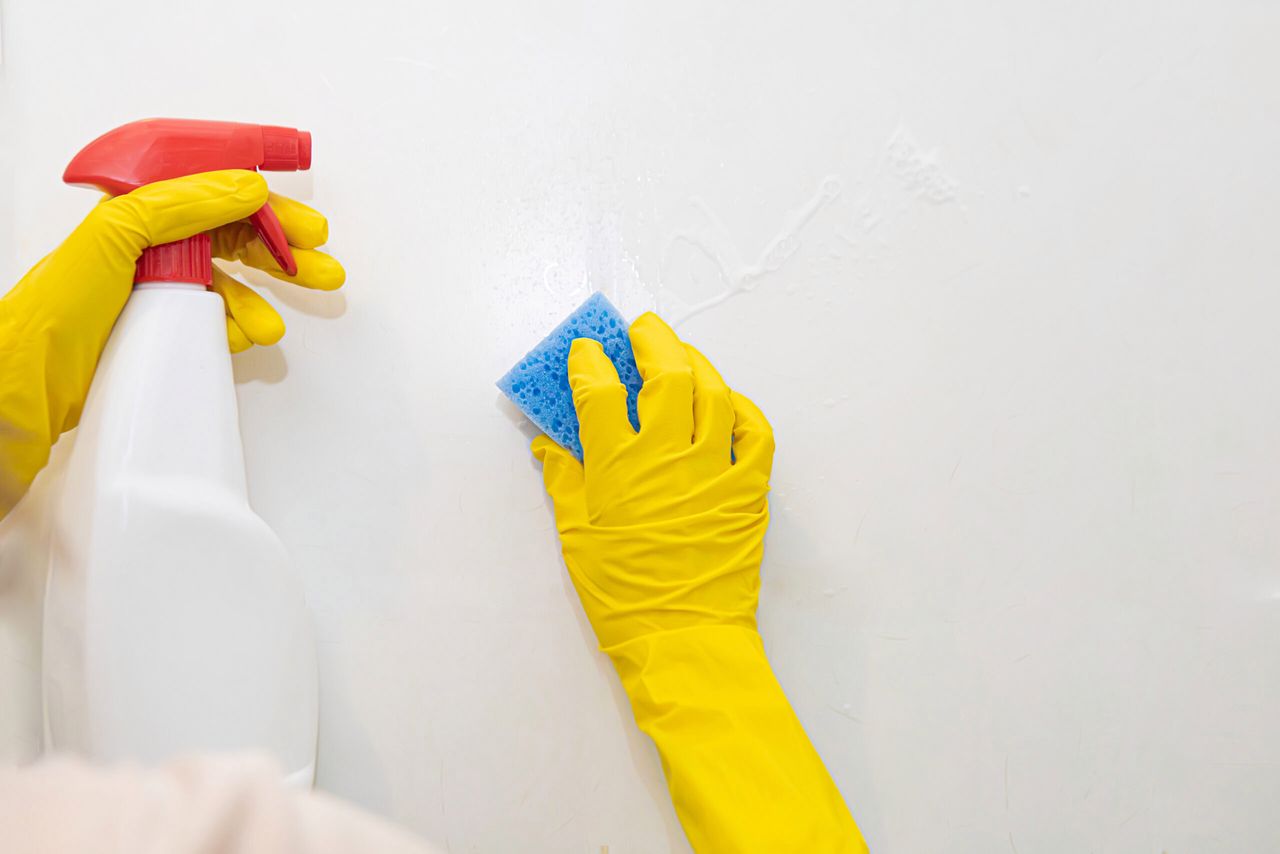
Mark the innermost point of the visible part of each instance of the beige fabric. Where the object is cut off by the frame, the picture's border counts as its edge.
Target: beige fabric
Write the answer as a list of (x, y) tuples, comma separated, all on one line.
[(201, 805)]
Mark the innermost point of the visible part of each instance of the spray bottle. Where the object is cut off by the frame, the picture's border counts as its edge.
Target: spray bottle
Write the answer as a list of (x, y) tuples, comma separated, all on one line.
[(173, 620)]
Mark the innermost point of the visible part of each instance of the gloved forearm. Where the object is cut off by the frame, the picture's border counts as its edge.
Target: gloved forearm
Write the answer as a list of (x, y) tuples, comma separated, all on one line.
[(32, 414), (742, 773), (51, 335)]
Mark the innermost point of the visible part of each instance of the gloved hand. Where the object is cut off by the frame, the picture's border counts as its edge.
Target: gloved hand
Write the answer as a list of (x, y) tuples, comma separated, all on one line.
[(663, 529), (663, 534), (56, 320)]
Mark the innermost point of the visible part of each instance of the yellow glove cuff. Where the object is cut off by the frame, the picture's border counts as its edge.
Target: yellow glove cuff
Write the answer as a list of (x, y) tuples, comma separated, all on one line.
[(742, 773)]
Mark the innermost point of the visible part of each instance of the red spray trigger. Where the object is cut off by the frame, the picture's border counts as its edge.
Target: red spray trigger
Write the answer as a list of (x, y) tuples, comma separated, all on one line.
[(268, 226), (141, 152)]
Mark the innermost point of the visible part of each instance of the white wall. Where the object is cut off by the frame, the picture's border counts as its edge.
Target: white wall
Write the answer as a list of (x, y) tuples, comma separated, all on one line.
[(1016, 328)]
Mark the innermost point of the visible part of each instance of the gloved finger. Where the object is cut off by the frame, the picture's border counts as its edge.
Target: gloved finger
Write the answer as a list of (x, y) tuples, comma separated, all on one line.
[(257, 320), (666, 398), (236, 339), (752, 436), (166, 211), (316, 270), (712, 405), (599, 397), (304, 227), (562, 475)]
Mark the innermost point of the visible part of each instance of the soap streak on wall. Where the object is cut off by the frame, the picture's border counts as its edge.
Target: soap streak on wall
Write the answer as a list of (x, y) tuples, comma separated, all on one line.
[(917, 173), (736, 276)]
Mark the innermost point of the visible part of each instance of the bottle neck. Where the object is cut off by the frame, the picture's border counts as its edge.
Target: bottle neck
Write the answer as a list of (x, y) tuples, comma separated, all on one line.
[(186, 260)]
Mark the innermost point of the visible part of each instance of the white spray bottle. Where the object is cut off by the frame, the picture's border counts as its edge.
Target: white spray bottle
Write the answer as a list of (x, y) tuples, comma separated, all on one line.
[(173, 620)]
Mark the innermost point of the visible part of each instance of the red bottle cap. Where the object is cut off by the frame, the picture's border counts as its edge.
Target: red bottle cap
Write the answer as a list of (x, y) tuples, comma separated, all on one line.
[(138, 153), (181, 261)]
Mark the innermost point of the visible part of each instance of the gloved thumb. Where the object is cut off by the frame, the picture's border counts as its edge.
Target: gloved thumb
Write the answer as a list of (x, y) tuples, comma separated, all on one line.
[(171, 210), (562, 475)]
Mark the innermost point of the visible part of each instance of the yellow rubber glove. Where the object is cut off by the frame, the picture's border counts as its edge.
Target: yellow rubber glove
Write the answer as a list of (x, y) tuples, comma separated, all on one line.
[(663, 533), (55, 322)]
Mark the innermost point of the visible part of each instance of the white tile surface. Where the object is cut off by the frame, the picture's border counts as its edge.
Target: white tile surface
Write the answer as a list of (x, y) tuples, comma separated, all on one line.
[(1008, 277)]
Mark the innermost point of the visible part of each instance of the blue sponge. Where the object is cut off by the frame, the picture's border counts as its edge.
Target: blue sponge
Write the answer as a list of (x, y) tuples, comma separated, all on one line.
[(539, 383)]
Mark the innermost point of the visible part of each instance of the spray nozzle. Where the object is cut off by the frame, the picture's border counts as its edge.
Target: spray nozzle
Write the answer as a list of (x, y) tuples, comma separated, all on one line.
[(141, 152)]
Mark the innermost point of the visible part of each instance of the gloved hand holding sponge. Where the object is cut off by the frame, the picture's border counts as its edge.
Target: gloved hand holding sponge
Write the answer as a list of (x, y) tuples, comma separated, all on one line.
[(662, 531), (55, 322)]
